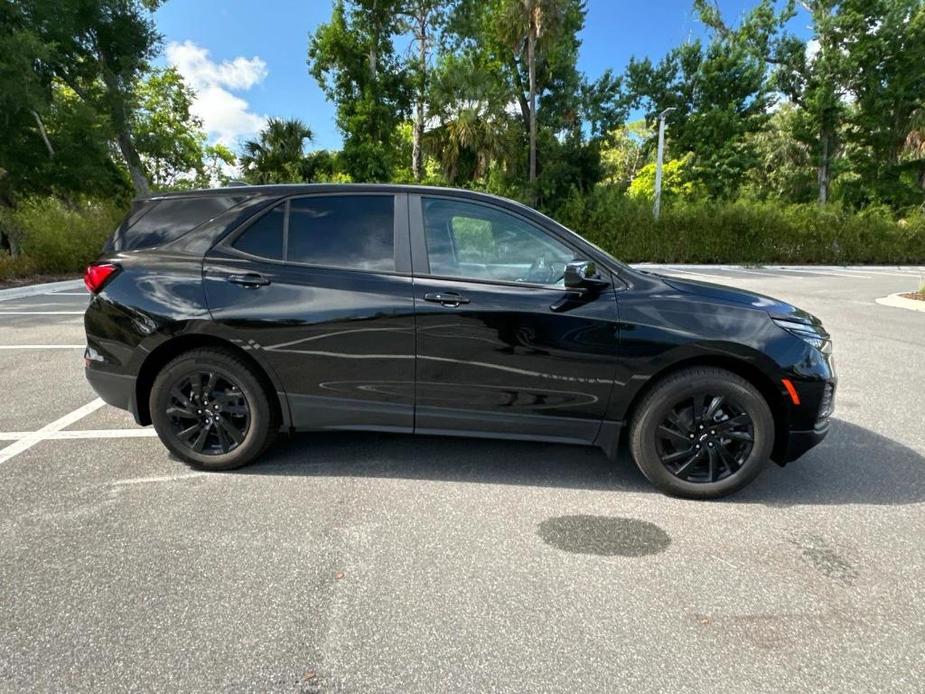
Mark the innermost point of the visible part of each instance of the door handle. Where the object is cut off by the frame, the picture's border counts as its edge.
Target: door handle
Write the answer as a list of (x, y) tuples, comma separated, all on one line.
[(251, 280), (450, 299)]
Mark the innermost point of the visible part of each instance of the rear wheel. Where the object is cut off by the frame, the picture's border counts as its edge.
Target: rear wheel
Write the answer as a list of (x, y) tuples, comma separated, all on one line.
[(211, 410), (702, 433)]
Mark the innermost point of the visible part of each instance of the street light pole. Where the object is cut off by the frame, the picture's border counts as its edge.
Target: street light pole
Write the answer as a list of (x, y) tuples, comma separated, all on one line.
[(658, 162)]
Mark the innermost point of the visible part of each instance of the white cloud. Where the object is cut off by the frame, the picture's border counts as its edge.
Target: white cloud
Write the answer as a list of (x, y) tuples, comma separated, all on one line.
[(812, 50), (225, 116)]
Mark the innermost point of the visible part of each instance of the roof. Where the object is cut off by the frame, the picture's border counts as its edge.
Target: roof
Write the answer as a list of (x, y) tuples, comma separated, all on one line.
[(297, 188)]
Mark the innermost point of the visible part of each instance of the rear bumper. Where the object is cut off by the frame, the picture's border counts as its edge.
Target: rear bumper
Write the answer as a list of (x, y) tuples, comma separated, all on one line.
[(115, 389), (798, 442)]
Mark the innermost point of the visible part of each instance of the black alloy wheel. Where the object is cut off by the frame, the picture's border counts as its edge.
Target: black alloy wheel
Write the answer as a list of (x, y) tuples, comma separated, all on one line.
[(208, 412), (702, 433), (705, 438), (212, 409)]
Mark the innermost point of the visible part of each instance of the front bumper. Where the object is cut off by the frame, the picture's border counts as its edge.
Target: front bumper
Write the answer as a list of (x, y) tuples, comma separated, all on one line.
[(798, 442)]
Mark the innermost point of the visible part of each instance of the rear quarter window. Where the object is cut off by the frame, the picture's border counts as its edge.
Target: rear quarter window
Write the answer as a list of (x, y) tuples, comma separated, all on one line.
[(157, 222)]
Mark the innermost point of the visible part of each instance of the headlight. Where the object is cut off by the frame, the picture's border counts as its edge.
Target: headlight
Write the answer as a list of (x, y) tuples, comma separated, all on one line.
[(811, 334)]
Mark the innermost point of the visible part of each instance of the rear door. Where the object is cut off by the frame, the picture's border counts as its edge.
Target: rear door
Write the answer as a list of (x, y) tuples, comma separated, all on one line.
[(319, 288), (502, 347)]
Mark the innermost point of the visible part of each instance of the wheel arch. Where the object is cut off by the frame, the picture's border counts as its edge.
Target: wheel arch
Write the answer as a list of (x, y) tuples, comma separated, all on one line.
[(765, 384), (175, 346)]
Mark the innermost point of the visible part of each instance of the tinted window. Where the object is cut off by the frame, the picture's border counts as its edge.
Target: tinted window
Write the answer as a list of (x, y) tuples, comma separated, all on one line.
[(480, 242), (348, 231), (265, 236), (167, 220)]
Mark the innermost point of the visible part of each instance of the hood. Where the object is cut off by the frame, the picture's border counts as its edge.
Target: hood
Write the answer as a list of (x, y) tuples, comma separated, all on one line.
[(775, 307)]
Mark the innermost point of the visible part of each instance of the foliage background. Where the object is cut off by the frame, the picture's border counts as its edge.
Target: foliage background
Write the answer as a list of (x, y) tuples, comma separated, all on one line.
[(779, 149)]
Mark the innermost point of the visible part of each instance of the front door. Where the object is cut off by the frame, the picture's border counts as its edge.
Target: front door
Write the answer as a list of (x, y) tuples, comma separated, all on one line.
[(498, 350), (319, 289)]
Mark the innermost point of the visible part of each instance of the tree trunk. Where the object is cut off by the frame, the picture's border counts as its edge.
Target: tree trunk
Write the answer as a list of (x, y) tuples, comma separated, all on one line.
[(123, 132), (133, 161), (521, 99), (418, 132), (823, 173), (41, 126), (531, 67)]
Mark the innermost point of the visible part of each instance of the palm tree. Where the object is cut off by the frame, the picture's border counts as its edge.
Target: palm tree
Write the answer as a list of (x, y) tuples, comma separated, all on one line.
[(525, 23), (466, 144), (278, 153)]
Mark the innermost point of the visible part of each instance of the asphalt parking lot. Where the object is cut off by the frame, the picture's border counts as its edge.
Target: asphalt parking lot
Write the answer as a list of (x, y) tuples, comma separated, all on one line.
[(369, 562)]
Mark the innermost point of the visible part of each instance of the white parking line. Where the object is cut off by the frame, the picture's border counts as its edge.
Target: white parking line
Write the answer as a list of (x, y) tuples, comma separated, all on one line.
[(814, 272), (166, 478), (80, 434), (750, 271), (43, 346), (33, 437), (84, 294), (41, 313), (44, 306), (700, 275)]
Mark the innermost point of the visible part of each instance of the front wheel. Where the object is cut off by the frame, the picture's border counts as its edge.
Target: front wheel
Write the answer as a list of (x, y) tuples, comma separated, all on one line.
[(210, 409), (702, 433)]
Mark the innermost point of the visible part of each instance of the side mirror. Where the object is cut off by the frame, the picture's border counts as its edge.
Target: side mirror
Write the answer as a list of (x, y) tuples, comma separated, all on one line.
[(583, 274)]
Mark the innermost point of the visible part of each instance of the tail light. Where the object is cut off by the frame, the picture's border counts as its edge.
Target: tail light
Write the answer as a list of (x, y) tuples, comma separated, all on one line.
[(97, 275)]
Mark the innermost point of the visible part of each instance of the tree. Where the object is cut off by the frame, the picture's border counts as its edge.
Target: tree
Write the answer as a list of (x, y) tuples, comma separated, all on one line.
[(218, 160), (169, 138), (784, 167), (353, 59), (530, 47), (720, 93), (884, 48), (812, 76), (278, 153), (718, 97), (99, 49), (423, 19), (466, 145), (675, 181), (624, 152)]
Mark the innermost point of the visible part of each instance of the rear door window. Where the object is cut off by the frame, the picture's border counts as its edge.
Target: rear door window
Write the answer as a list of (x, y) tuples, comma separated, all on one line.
[(356, 232), (264, 238)]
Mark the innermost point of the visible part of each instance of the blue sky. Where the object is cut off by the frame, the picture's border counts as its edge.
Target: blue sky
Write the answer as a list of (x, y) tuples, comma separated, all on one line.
[(247, 59)]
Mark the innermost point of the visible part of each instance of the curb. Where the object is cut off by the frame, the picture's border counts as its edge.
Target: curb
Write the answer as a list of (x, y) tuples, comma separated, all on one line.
[(897, 301), (34, 289)]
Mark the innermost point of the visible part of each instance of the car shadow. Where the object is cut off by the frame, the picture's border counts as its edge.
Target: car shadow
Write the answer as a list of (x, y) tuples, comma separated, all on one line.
[(852, 466)]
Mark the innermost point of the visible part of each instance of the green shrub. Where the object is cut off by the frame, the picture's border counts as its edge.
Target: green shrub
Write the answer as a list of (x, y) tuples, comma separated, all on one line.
[(742, 232), (14, 266), (53, 237)]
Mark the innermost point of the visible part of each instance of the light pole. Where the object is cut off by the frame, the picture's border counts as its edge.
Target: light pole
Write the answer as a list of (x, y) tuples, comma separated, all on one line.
[(658, 162)]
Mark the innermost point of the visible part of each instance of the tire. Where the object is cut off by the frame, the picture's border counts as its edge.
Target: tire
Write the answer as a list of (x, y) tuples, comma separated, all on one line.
[(686, 449), (247, 422)]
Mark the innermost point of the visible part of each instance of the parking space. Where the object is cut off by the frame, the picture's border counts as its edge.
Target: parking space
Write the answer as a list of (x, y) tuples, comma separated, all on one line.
[(369, 562)]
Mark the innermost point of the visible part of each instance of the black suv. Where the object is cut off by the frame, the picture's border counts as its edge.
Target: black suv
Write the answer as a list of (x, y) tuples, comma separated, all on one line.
[(225, 316)]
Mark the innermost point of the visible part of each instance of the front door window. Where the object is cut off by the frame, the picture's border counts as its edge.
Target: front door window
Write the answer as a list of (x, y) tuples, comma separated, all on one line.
[(475, 242)]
